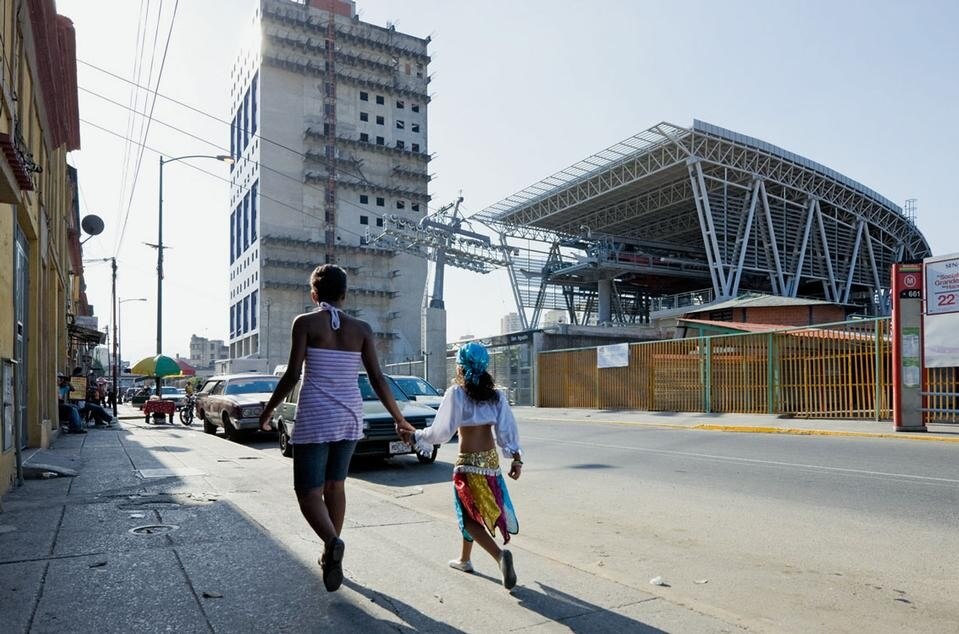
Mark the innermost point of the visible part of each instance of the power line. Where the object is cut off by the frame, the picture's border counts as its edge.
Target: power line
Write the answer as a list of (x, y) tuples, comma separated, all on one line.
[(136, 173), (259, 164), (218, 177)]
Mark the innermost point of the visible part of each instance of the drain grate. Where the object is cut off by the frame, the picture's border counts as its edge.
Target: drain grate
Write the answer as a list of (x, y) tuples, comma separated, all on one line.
[(154, 529)]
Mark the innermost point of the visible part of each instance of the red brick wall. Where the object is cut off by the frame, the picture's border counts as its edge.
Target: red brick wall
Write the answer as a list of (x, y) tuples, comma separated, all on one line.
[(790, 315)]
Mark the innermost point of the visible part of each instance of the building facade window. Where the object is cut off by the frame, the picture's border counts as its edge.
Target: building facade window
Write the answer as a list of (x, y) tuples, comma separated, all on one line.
[(400, 145), (380, 100), (415, 107), (233, 237), (253, 106), (401, 204), (415, 127), (380, 202), (379, 222), (364, 199), (364, 137), (254, 296), (364, 116), (246, 221), (415, 147), (364, 96), (415, 206), (364, 220), (380, 140), (380, 120), (400, 104), (400, 125)]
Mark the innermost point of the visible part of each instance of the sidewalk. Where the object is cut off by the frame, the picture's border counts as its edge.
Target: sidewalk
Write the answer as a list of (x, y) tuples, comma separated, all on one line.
[(744, 423), (169, 529)]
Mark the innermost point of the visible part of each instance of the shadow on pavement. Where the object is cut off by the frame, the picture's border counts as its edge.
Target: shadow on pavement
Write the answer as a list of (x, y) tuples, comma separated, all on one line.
[(415, 621), (576, 614)]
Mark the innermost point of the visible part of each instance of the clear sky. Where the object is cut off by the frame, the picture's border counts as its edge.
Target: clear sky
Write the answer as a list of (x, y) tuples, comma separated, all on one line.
[(520, 90)]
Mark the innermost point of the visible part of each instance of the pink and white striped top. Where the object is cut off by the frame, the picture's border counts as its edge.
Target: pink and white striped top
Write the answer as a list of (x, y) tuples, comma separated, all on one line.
[(330, 407)]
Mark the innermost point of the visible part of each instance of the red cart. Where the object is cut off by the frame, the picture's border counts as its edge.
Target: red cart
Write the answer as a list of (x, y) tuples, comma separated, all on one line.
[(163, 408)]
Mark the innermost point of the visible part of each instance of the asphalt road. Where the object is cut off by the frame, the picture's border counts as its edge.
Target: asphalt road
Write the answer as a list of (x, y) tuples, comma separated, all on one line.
[(776, 533)]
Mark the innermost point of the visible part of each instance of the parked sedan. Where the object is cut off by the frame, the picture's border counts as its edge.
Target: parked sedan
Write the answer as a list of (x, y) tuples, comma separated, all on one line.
[(419, 390), (234, 402), (379, 433)]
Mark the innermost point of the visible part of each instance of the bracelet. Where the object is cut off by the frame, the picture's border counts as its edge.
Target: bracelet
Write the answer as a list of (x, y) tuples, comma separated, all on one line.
[(519, 462)]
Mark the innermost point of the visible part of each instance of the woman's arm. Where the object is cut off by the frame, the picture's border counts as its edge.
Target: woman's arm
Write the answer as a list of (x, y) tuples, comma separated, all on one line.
[(506, 431), (292, 374), (378, 382)]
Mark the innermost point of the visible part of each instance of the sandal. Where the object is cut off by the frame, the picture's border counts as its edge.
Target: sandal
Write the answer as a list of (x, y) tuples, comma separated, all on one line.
[(332, 564), (463, 566)]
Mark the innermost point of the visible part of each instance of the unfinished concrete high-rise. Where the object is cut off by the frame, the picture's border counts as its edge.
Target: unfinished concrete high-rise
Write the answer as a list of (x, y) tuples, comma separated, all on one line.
[(329, 136)]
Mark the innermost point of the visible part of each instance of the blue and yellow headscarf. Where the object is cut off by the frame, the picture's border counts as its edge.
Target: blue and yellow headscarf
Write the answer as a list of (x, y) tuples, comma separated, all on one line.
[(475, 359)]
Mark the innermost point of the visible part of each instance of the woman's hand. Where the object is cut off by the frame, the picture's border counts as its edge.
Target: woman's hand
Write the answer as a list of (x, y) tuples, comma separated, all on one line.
[(405, 431), (266, 422), (516, 470)]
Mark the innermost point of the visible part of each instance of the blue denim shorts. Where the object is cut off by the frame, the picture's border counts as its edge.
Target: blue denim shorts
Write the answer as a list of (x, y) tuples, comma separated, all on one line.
[(314, 464)]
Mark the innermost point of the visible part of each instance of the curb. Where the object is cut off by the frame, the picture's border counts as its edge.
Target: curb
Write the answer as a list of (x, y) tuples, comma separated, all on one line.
[(755, 429), (818, 432)]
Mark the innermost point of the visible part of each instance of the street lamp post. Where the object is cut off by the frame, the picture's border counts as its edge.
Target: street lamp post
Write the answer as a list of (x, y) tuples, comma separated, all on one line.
[(159, 245)]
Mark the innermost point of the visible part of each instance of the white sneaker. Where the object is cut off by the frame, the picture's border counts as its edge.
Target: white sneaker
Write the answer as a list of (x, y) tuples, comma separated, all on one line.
[(464, 566)]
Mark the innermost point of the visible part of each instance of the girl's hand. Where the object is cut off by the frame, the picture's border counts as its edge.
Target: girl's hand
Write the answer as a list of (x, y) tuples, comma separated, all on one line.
[(516, 470)]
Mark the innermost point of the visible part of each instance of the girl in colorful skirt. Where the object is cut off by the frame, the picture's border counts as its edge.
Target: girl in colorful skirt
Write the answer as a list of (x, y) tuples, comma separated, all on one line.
[(482, 416)]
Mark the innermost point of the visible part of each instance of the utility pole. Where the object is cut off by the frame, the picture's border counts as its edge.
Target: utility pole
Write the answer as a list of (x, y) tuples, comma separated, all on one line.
[(116, 356)]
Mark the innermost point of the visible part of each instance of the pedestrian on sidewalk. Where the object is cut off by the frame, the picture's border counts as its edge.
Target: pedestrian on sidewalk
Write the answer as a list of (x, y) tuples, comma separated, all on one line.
[(329, 420), (67, 412), (482, 415)]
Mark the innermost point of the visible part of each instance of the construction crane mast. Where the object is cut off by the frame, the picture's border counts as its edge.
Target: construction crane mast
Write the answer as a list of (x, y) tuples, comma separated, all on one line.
[(447, 238)]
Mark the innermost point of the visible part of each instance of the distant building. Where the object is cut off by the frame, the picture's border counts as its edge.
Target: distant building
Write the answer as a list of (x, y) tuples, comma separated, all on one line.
[(510, 323), (759, 313), (555, 317), (205, 351), (341, 105)]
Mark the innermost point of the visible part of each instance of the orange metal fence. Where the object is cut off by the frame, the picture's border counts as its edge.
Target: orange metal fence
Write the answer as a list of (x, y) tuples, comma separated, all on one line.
[(834, 370)]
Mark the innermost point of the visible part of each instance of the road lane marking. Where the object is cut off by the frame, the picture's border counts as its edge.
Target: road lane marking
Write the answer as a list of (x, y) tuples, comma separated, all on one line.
[(773, 463)]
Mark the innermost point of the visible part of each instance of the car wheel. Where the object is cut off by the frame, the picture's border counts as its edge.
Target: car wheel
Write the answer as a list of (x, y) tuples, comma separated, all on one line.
[(285, 447), (208, 427), (428, 459), (231, 431)]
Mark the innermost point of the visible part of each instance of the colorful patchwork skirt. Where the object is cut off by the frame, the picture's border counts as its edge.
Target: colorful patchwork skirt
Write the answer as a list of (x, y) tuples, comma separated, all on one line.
[(480, 494)]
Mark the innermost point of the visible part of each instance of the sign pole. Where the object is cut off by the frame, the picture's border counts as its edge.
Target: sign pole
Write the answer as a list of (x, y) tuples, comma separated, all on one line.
[(907, 348)]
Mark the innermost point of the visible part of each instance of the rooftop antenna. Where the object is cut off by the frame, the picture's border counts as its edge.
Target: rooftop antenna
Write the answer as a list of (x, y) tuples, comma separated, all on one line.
[(911, 209)]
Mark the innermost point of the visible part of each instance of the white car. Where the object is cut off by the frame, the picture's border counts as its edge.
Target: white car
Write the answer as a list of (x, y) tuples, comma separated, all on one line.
[(419, 390)]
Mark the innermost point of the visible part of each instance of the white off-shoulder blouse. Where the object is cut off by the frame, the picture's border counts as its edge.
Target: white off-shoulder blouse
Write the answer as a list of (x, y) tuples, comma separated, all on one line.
[(459, 410)]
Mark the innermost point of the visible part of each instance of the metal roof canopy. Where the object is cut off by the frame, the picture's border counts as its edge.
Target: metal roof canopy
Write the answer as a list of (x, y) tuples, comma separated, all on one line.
[(673, 202)]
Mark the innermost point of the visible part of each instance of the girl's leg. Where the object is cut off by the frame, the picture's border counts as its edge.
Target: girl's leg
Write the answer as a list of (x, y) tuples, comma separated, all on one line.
[(467, 550), (481, 537)]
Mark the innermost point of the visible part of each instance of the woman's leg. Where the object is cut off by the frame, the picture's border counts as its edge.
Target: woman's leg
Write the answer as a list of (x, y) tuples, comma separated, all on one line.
[(315, 511), (334, 495)]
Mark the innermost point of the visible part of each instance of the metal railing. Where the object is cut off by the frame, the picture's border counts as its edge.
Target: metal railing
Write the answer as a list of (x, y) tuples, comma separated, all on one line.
[(832, 371)]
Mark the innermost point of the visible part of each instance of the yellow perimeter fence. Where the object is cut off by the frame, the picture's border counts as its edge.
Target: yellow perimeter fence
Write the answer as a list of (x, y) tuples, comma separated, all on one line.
[(829, 371)]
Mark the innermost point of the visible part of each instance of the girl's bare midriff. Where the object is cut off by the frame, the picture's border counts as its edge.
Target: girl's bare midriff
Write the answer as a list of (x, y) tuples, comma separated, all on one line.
[(475, 439)]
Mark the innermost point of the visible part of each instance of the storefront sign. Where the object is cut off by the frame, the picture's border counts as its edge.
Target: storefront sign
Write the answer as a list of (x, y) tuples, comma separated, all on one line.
[(942, 284), (614, 356)]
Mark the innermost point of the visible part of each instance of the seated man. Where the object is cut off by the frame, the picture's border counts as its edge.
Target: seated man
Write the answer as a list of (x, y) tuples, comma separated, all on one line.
[(68, 413)]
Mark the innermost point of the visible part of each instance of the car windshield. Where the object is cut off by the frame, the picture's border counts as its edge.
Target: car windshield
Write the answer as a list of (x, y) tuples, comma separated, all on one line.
[(369, 395), (251, 386), (168, 390), (416, 387)]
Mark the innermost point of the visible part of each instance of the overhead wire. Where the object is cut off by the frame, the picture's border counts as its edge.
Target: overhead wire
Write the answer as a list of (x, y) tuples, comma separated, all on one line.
[(243, 191), (259, 164), (136, 173), (133, 99)]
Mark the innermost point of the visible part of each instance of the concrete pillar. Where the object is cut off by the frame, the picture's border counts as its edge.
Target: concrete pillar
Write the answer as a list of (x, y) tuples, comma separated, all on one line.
[(434, 346), (604, 295)]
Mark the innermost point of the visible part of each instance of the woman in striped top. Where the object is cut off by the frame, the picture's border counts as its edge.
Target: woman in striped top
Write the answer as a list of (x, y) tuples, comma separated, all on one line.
[(329, 346)]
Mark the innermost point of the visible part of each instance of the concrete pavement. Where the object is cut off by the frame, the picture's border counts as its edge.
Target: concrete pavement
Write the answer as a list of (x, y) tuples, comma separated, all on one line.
[(168, 529)]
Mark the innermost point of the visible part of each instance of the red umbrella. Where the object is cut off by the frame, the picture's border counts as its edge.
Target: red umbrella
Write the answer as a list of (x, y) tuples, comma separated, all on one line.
[(185, 368)]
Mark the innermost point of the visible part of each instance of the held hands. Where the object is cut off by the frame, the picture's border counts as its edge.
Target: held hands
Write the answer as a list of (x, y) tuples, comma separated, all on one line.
[(405, 431)]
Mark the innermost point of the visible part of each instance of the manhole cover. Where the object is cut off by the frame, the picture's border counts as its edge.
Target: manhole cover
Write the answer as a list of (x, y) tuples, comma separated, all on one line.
[(154, 529)]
